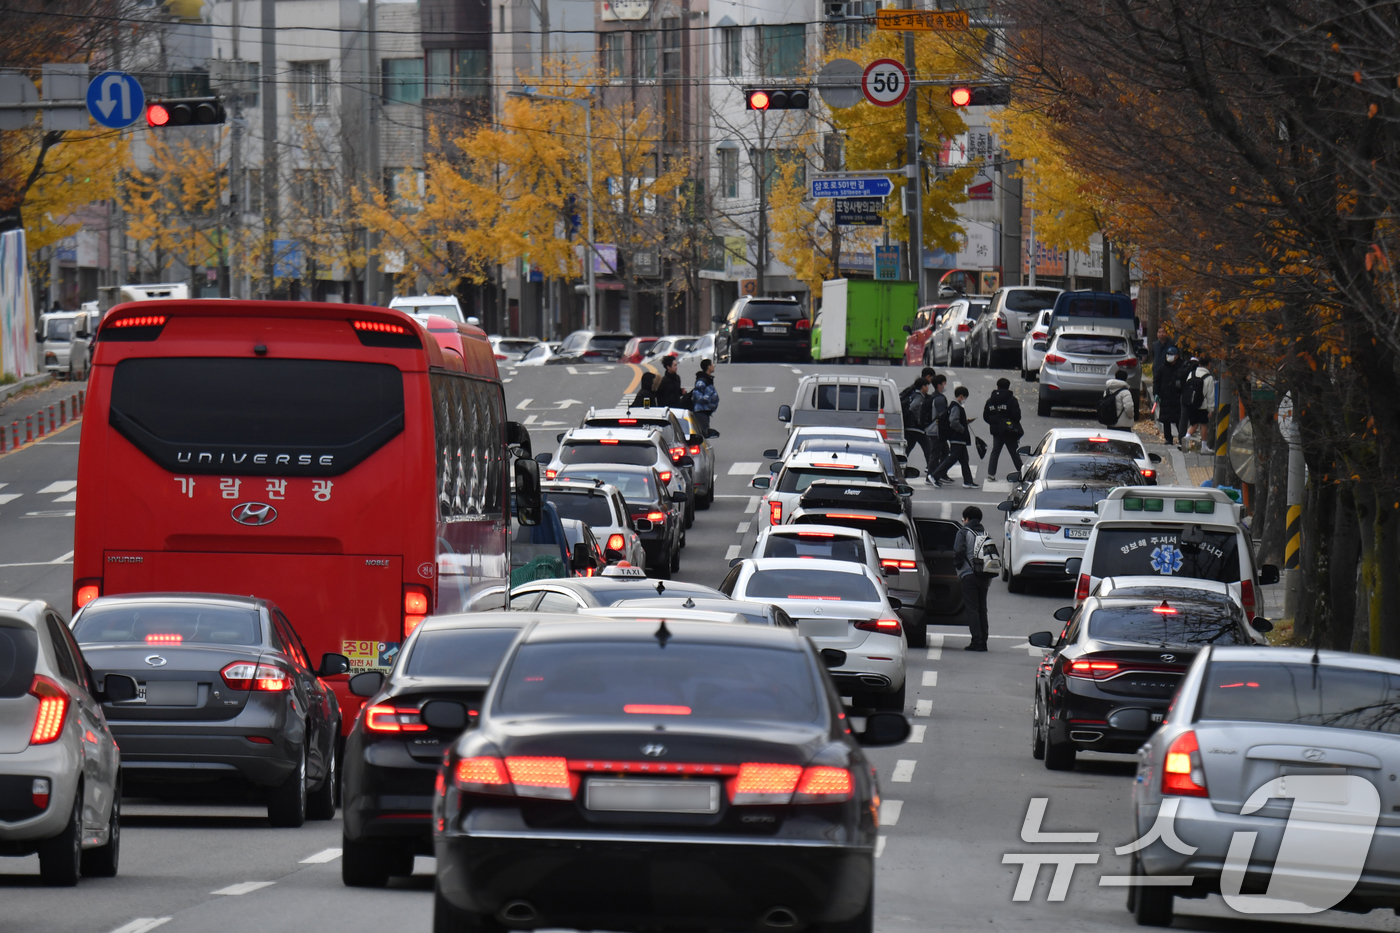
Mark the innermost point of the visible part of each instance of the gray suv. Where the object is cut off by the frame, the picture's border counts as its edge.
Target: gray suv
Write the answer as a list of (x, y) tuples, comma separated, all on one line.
[(996, 336)]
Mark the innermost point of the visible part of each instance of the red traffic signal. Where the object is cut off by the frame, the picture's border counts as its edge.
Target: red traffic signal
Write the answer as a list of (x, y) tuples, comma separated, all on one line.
[(784, 98), (984, 95), (758, 100), (961, 96), (157, 115), (185, 111)]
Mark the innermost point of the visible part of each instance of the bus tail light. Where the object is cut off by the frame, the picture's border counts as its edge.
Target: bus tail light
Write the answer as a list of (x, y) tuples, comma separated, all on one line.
[(416, 604), (85, 591), (264, 678), (1182, 774), (53, 707)]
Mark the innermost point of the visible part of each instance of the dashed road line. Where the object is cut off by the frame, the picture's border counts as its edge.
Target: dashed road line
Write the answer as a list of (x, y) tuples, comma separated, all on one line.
[(889, 811), (325, 855), (732, 553), (923, 708), (244, 887), (903, 771), (930, 679), (753, 505), (744, 468), (62, 485), (916, 734), (141, 925), (62, 560), (743, 528), (880, 845), (935, 654), (71, 497)]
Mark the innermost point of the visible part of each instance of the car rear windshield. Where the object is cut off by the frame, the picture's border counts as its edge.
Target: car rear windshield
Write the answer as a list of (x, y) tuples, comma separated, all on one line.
[(1091, 345), (797, 479), (1094, 470), (887, 532), (635, 487), (1168, 592), (1099, 445), (810, 584), (657, 680), (19, 647), (589, 509), (759, 311), (1071, 499), (1121, 552), (1301, 694), (832, 397), (448, 311), (463, 652), (609, 341), (1166, 625), (1024, 300), (1100, 306), (636, 453), (256, 416), (168, 625), (837, 445), (638, 421), (517, 346), (816, 544)]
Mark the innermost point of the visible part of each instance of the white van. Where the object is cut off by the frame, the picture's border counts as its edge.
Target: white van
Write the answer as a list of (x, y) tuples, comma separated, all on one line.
[(442, 305), (109, 296), (64, 339), (1172, 531)]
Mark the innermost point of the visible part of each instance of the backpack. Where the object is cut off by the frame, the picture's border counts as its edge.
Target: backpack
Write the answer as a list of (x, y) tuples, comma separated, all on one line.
[(1108, 409), (913, 414), (984, 556), (1193, 393), (906, 403)]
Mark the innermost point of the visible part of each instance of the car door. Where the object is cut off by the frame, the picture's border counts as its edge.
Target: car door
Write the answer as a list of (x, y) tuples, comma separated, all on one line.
[(936, 535), (98, 772), (320, 702)]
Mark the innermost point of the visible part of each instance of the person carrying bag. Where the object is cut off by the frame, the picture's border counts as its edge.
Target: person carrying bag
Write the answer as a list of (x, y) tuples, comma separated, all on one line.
[(1002, 413)]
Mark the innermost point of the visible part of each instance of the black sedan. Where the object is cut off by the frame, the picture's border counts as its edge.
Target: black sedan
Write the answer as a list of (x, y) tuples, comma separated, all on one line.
[(227, 698), (691, 775), (393, 752), (1111, 674)]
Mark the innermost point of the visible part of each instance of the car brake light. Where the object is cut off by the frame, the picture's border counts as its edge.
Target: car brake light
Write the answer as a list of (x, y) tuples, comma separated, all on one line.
[(1247, 597), (53, 706), (655, 709), (1081, 591), (1149, 474), (1038, 335), (416, 606), (1128, 364), (666, 476), (695, 451), (764, 783), (743, 324), (85, 591), (655, 516), (1164, 609), (394, 719), (376, 326), (775, 513), (502, 356), (803, 324), (824, 784), (626, 420), (1182, 773), (816, 534), (149, 320), (264, 678), (39, 793), (885, 626), (964, 327), (616, 542), (1053, 358), (476, 772), (1001, 322), (1092, 670), (173, 638), (864, 518), (550, 474), (1044, 528), (608, 440), (677, 452)]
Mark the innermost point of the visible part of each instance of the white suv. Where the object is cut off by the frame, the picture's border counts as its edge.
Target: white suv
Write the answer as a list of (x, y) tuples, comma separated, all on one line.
[(802, 469)]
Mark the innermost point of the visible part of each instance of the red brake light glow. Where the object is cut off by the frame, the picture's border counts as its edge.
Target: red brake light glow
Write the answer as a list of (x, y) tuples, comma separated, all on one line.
[(695, 451), (550, 474), (823, 784), (86, 592), (1081, 591), (1164, 609), (393, 719), (665, 476), (816, 534), (539, 772), (53, 707), (1044, 528), (265, 678), (147, 320), (616, 542), (677, 452), (1092, 670), (1149, 474), (656, 516), (608, 440), (1182, 774), (1053, 358), (864, 518), (171, 639), (800, 596), (655, 709), (766, 780), (416, 605), (481, 771), (887, 626), (380, 327), (626, 420), (775, 513), (743, 324)]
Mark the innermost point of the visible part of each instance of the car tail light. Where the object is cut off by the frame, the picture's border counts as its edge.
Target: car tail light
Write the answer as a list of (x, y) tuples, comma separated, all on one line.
[(417, 603), (482, 774), (677, 452), (764, 783), (803, 324), (864, 518), (1001, 322), (655, 516), (1182, 773), (775, 513), (381, 718), (655, 709), (53, 706), (1044, 528), (173, 638), (1092, 670), (816, 534), (1053, 358), (695, 451), (1081, 591), (1164, 609), (502, 356), (550, 474), (743, 324), (1247, 597), (964, 327), (85, 591), (541, 777), (608, 440), (1128, 364), (666, 476), (884, 626), (39, 793), (626, 420), (616, 542), (264, 678), (824, 784), (149, 320), (258, 739), (589, 353), (1038, 335), (1149, 474)]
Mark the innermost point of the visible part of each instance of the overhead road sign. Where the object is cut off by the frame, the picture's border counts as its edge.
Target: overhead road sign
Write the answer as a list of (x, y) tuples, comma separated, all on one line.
[(115, 99), (17, 94), (922, 20), (859, 212), (885, 82), (868, 186)]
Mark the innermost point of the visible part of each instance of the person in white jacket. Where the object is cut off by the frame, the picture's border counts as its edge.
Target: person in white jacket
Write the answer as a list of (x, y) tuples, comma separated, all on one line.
[(1197, 399), (1123, 396)]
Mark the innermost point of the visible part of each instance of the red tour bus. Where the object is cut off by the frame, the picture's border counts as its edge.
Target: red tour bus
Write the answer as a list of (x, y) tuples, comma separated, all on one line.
[(330, 457)]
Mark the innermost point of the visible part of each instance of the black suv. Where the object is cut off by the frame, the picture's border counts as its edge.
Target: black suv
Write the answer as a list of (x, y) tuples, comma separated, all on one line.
[(765, 329)]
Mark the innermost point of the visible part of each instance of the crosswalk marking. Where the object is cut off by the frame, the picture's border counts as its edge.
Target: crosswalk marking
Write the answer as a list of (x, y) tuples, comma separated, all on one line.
[(732, 553), (744, 468), (71, 497), (923, 708), (752, 506), (9, 497), (62, 485), (916, 735), (935, 654)]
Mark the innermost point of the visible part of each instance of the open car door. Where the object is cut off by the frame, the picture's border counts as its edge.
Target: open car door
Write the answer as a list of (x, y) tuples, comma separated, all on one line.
[(936, 541)]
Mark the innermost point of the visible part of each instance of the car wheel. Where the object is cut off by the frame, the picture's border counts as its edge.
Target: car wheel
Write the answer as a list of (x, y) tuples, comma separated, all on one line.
[(1037, 730), (690, 513), (675, 561), (890, 701), (448, 918), (286, 803), (1043, 408), (956, 357), (708, 499), (863, 922), (1059, 756), (1016, 584), (662, 570), (101, 862), (320, 803), (1151, 906), (368, 864), (917, 634), (61, 858)]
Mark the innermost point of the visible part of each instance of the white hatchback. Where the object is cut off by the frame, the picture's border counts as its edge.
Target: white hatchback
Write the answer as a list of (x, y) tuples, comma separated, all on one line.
[(1034, 345), (1046, 525), (1106, 441)]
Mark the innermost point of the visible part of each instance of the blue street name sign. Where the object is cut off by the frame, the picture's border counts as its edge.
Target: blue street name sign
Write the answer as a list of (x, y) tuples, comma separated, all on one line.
[(115, 99), (876, 187)]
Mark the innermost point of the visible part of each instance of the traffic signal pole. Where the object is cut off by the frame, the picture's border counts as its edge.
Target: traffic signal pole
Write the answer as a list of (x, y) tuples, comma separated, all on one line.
[(916, 175)]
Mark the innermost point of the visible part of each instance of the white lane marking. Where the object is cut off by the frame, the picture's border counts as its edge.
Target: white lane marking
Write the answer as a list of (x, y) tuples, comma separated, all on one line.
[(37, 563), (752, 506), (916, 734), (992, 485), (744, 468), (945, 510), (325, 855), (752, 390), (141, 925), (1035, 652), (742, 528), (923, 707), (530, 420), (935, 654), (244, 887), (732, 553), (524, 404), (71, 497), (49, 514), (903, 771), (62, 444), (9, 497), (505, 380), (62, 560), (797, 371), (930, 679), (63, 485), (935, 639), (880, 845), (968, 635), (3, 485), (889, 811)]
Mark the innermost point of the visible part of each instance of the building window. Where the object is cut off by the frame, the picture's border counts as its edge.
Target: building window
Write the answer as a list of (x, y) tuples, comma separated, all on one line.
[(671, 47), (613, 63), (457, 73), (772, 165), (784, 50), (439, 76), (314, 192), (404, 187), (644, 56), (311, 84), (403, 80), (731, 51), (189, 84), (729, 173)]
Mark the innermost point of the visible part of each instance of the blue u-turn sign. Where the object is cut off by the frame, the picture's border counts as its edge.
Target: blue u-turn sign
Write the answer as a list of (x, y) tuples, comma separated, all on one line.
[(115, 99)]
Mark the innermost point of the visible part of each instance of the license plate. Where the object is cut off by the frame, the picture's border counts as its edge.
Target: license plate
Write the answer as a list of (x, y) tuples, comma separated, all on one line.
[(822, 628), (775, 330), (1076, 532), (653, 796), (1085, 368), (172, 693)]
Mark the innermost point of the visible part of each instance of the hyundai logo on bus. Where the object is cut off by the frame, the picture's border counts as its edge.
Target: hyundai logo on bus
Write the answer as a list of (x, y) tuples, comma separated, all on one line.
[(254, 513), (258, 459)]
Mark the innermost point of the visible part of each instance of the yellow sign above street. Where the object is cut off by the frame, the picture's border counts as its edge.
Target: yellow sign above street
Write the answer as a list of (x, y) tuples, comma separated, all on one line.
[(922, 20)]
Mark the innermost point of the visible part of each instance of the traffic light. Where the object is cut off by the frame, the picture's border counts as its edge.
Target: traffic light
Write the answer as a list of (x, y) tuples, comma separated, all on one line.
[(980, 95), (185, 111), (780, 98)]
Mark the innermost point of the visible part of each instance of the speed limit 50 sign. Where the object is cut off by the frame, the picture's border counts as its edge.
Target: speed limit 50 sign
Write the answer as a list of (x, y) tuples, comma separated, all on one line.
[(885, 82)]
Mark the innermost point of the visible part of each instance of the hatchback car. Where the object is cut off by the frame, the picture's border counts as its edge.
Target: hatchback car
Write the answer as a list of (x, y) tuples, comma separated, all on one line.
[(1034, 345), (640, 446), (227, 692), (765, 330), (657, 515), (947, 345), (586, 346), (538, 355), (512, 349), (679, 434), (636, 349), (60, 769), (603, 509), (666, 346), (916, 344), (997, 336), (1078, 365), (614, 764), (841, 606), (1098, 441), (1046, 524), (803, 469), (409, 718)]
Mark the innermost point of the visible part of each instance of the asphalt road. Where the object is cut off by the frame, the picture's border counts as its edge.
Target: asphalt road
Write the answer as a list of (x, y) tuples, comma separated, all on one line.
[(955, 797)]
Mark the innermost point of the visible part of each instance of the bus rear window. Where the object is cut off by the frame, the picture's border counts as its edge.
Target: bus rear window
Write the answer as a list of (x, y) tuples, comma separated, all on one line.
[(593, 452), (1121, 552), (256, 416)]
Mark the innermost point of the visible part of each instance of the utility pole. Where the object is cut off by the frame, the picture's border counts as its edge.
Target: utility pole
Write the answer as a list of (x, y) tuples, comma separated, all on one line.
[(1293, 535), (270, 186), (916, 172), (761, 176), (374, 285), (236, 182), (1030, 248)]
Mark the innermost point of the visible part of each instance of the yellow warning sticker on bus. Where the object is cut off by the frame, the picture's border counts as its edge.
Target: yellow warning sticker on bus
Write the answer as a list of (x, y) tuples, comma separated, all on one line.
[(369, 655)]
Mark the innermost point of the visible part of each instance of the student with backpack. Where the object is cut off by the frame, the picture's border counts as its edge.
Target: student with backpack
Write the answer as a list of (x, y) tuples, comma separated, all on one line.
[(976, 561), (956, 430), (918, 415), (1116, 406), (1002, 415), (1197, 395)]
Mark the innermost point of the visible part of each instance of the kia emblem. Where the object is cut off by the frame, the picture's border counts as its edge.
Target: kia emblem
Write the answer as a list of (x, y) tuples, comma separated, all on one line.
[(653, 750), (155, 660), (254, 513)]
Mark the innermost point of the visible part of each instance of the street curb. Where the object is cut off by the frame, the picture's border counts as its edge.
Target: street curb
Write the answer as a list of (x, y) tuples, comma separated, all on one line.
[(39, 379), (28, 444)]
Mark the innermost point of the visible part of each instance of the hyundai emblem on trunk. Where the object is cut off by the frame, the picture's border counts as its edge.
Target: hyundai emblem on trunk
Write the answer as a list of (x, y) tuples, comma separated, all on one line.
[(1314, 754), (155, 660), (254, 513), (653, 750), (1169, 658)]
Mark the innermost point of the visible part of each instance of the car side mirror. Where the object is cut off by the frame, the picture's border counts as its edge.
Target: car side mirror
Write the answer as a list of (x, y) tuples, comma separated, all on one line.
[(895, 604), (444, 714), (1063, 613), (900, 458), (887, 728), (543, 459), (1024, 451), (1073, 565), (905, 490), (1014, 477), (1041, 639), (1268, 574), (581, 555), (775, 466), (333, 664), (558, 438), (1262, 624), (907, 329), (1154, 458), (696, 439), (1007, 506), (367, 684), (685, 461), (118, 688), (771, 454), (911, 473), (1040, 345), (529, 504), (736, 561), (784, 412), (833, 657), (1141, 354), (678, 497), (761, 482)]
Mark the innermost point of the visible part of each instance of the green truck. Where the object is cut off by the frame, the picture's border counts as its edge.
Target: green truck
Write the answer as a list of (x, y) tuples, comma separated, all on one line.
[(861, 319)]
